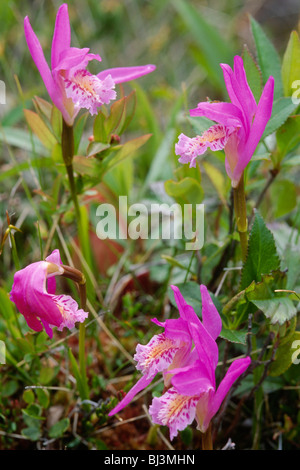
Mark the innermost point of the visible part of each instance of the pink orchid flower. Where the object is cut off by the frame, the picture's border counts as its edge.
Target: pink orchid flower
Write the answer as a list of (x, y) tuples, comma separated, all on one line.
[(172, 348), (69, 84), (33, 292), (240, 124), (193, 394)]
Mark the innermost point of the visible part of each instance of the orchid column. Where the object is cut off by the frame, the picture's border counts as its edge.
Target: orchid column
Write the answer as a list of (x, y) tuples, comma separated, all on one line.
[(240, 127)]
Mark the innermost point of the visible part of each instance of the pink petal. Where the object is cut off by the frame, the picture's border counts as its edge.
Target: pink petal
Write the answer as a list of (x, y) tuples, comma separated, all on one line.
[(62, 35), (207, 348), (54, 258), (210, 315), (31, 298), (173, 410), (37, 54), (262, 116), (142, 383), (71, 314), (226, 114), (157, 355), (125, 74), (235, 370), (193, 379)]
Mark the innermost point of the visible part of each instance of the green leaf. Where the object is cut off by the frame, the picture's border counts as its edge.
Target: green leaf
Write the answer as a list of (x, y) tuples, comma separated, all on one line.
[(116, 117), (288, 136), (34, 411), (282, 109), (22, 139), (268, 58), (28, 396), (40, 129), (213, 48), (284, 197), (284, 356), (32, 433), (262, 256), (43, 397), (9, 388), (121, 152), (75, 370), (239, 336), (291, 63), (59, 428), (269, 297), (278, 310), (253, 73), (186, 191), (46, 375), (217, 180)]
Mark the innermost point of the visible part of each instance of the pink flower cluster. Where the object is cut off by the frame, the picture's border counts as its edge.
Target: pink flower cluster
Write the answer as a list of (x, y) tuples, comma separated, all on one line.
[(186, 353)]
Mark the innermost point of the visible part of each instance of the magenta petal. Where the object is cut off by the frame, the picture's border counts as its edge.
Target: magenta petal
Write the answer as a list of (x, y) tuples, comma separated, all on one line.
[(37, 54), (210, 315), (249, 103), (262, 116), (235, 370), (54, 258), (125, 74), (75, 58), (173, 410), (224, 113), (31, 298), (192, 380), (207, 348), (62, 35), (142, 383)]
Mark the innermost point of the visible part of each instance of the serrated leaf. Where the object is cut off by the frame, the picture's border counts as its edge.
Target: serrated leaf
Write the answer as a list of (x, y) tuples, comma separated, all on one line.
[(262, 257), (239, 336), (291, 63), (282, 109), (253, 73), (278, 310), (268, 58)]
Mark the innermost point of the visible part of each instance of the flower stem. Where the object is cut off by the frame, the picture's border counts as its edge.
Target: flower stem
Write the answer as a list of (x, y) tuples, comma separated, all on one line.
[(207, 439), (68, 154), (240, 210)]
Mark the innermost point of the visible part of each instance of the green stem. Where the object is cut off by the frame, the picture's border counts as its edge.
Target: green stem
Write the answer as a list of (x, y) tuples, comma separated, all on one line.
[(68, 155), (240, 210), (207, 439)]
